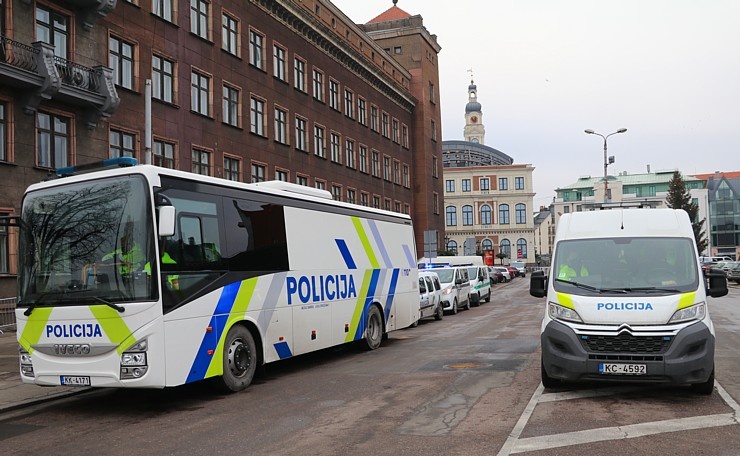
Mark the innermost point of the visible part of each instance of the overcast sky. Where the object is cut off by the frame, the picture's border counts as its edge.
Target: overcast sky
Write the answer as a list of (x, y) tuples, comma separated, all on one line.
[(667, 70)]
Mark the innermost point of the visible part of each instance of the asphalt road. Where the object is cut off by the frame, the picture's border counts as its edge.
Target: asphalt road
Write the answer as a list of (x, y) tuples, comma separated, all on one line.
[(466, 385)]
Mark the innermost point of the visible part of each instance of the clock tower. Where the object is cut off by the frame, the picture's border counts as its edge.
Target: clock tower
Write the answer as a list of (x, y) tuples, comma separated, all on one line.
[(474, 130)]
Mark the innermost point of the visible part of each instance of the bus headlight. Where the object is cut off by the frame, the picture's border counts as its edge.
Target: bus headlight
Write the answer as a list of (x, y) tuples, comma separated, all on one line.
[(695, 312), (133, 361), (558, 312), (26, 362)]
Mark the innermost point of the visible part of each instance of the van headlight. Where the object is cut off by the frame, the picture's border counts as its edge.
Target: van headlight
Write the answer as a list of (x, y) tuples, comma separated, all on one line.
[(558, 312), (134, 361), (26, 362), (695, 312)]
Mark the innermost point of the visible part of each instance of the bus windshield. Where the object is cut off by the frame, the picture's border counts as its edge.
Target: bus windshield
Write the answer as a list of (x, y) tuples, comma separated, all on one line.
[(87, 243), (626, 265)]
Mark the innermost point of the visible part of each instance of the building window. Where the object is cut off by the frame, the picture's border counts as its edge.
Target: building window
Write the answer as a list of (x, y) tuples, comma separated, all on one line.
[(386, 125), (257, 116), (200, 89), (349, 153), (432, 93), (318, 85), (485, 215), (163, 154), (231, 104), (335, 144), (122, 62), (435, 202), (485, 184), (405, 136), (467, 213), (122, 144), (396, 132), (52, 28), (319, 141), (503, 183), (521, 213), (230, 34), (505, 247), (4, 247), (486, 245), (256, 49), (387, 168), (521, 248), (433, 126), (321, 185), (387, 204), (52, 140), (376, 201), (396, 172), (435, 166), (258, 173), (201, 162), (362, 111), (406, 176), (374, 118), (281, 126), (336, 192), (232, 169), (280, 62), (299, 74), (349, 104), (451, 216), (163, 76), (503, 214), (351, 196), (450, 186), (364, 199), (466, 185), (363, 159), (281, 175), (3, 133), (301, 180), (199, 18), (375, 163), (519, 183), (163, 9), (301, 134), (333, 94)]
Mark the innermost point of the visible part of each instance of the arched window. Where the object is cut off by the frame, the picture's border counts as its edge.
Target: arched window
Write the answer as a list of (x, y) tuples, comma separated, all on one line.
[(451, 216), (485, 214), (486, 245), (503, 214), (467, 213), (521, 248), (506, 247), (452, 247), (521, 213)]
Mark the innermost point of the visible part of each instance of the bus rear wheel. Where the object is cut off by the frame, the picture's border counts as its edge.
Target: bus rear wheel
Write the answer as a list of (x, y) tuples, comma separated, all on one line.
[(374, 329), (239, 360)]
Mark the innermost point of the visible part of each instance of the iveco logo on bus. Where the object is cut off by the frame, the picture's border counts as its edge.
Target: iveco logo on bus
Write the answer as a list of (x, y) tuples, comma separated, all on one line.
[(71, 349)]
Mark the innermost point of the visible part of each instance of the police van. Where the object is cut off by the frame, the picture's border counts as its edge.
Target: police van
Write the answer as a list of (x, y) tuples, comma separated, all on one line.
[(626, 300)]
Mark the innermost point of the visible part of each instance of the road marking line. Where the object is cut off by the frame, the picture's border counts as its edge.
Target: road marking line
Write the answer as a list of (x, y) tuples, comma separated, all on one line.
[(519, 427), (583, 394), (622, 432), (728, 399)]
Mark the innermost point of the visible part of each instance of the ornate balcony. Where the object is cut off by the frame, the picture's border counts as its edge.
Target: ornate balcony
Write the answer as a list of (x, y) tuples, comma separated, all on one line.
[(89, 10), (40, 75)]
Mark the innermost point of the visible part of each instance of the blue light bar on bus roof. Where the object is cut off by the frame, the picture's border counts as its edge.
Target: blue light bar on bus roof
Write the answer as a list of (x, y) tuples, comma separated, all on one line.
[(118, 162)]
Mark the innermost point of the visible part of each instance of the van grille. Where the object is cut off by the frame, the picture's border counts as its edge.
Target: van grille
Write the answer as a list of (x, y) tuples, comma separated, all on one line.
[(626, 343)]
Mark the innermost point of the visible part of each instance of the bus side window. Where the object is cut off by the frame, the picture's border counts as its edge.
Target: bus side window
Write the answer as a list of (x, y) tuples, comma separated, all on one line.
[(255, 233)]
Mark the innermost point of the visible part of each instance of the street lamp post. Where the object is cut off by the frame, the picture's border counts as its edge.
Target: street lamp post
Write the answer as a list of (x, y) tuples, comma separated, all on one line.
[(608, 161)]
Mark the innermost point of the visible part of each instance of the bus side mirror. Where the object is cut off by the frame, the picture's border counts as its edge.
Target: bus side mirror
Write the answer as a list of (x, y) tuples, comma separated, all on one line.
[(717, 283), (538, 284), (166, 216)]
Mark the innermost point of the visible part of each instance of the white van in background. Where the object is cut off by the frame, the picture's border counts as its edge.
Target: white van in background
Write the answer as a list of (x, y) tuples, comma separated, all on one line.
[(626, 300), (480, 285), (455, 288), (430, 296)]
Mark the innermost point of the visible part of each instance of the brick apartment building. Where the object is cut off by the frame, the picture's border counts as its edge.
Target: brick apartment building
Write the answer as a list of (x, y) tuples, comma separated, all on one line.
[(243, 90)]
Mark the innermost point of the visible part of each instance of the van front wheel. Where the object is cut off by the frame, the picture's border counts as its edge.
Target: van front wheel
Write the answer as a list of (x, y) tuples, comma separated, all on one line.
[(547, 381)]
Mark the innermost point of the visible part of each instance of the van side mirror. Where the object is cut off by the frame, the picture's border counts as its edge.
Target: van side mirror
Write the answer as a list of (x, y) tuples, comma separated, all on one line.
[(717, 283), (538, 284), (166, 225)]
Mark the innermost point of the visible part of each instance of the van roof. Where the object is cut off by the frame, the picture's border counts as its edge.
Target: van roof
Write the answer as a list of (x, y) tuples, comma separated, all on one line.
[(624, 223)]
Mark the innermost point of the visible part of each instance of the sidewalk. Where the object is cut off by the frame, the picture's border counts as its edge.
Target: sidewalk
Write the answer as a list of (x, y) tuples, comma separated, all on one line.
[(13, 393)]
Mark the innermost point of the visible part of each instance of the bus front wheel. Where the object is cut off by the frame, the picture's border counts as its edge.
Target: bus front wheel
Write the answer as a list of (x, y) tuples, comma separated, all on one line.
[(374, 329), (239, 360)]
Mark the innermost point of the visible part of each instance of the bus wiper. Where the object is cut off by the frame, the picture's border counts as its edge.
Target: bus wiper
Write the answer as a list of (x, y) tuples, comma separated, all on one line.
[(120, 309), (588, 287), (654, 289), (36, 303)]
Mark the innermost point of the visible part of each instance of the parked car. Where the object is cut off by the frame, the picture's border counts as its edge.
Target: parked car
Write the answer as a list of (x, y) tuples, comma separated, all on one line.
[(504, 272), (455, 288), (512, 271), (495, 275), (733, 275), (480, 284), (521, 269), (430, 296)]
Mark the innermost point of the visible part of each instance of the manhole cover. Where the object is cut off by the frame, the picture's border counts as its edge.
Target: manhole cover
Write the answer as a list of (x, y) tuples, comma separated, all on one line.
[(466, 365)]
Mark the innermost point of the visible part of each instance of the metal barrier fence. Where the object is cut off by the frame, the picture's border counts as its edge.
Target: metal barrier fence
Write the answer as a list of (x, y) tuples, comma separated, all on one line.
[(7, 314)]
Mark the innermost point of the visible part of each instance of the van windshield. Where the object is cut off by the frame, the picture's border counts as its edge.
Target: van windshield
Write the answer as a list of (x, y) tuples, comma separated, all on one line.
[(445, 275), (626, 265)]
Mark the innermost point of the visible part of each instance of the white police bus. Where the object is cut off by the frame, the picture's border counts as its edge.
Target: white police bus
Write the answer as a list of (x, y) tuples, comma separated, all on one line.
[(141, 276)]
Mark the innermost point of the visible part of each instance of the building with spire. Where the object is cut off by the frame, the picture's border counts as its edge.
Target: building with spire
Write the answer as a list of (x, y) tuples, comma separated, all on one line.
[(488, 199)]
